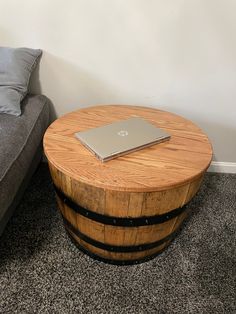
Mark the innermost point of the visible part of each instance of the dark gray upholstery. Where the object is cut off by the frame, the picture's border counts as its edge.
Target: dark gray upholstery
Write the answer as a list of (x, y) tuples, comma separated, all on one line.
[(21, 138)]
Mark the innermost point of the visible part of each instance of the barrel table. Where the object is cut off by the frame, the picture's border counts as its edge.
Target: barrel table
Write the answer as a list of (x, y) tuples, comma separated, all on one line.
[(126, 210)]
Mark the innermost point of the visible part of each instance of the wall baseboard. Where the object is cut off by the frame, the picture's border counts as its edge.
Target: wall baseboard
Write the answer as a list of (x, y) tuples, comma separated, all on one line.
[(225, 167)]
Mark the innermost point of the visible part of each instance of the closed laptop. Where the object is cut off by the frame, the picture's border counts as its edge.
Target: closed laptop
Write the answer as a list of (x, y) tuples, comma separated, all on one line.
[(121, 137)]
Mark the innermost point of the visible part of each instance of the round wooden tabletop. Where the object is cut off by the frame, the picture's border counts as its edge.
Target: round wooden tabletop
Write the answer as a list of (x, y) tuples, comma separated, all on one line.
[(183, 158)]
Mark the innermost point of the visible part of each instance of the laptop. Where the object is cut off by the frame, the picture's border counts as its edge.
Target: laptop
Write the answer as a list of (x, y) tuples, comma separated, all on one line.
[(121, 137)]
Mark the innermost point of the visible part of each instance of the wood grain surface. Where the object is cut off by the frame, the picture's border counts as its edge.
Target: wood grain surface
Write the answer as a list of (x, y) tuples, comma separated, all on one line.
[(182, 159), (122, 204), (146, 183)]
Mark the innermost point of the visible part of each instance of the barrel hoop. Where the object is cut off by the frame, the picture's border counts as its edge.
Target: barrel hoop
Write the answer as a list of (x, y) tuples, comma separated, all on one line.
[(117, 248), (114, 261), (118, 221)]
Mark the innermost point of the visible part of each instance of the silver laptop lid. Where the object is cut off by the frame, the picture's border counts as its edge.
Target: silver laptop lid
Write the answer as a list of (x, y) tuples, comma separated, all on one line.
[(118, 138)]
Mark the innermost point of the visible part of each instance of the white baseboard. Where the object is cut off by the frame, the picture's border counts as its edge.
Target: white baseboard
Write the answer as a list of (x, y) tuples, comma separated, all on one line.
[(225, 167)]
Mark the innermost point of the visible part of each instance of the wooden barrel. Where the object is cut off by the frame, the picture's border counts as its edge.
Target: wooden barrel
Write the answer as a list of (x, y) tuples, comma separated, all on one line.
[(129, 209)]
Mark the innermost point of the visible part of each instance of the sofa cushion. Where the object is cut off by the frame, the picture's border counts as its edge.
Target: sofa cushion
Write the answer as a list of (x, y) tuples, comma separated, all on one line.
[(20, 138), (16, 66)]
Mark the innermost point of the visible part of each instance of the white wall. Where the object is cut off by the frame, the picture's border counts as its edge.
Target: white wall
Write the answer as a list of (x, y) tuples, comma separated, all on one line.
[(177, 55)]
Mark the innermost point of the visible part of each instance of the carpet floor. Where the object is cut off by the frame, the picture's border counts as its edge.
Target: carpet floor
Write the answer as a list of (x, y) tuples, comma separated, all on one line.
[(41, 271)]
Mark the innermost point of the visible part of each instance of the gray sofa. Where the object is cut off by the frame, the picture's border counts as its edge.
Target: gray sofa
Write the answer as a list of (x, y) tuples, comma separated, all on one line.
[(20, 151)]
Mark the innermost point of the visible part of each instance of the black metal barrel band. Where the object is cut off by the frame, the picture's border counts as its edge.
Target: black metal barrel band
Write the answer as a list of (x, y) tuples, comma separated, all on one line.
[(117, 248), (114, 261), (118, 221)]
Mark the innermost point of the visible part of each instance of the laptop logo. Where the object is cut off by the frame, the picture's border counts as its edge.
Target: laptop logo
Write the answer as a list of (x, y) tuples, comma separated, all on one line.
[(122, 133)]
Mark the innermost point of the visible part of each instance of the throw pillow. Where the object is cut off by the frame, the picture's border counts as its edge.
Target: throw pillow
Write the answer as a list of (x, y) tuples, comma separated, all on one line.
[(16, 66)]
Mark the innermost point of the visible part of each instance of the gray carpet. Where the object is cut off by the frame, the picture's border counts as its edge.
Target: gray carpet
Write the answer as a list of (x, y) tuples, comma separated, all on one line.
[(41, 271)]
